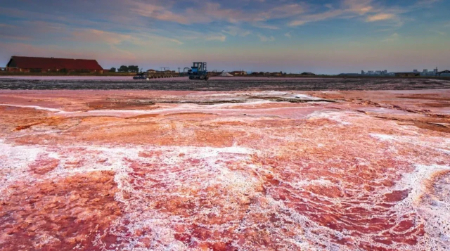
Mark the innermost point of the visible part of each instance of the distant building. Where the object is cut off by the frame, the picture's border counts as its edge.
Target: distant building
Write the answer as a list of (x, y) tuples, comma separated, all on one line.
[(238, 73), (445, 73), (375, 73), (407, 74), (276, 74), (151, 71), (40, 64), (427, 73), (350, 74), (169, 72)]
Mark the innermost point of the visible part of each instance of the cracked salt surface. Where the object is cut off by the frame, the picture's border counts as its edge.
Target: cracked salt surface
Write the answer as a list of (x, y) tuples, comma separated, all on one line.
[(432, 142), (332, 115), (35, 107), (296, 188), (436, 215)]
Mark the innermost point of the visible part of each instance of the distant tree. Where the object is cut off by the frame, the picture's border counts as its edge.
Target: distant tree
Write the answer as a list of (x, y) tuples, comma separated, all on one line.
[(133, 68), (113, 69), (123, 68)]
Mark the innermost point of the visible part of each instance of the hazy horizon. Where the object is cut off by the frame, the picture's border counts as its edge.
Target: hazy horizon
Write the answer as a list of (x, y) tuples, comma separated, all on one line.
[(325, 37)]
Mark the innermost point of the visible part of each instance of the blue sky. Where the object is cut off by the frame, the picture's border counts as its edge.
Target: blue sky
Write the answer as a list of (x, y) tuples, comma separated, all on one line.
[(254, 35)]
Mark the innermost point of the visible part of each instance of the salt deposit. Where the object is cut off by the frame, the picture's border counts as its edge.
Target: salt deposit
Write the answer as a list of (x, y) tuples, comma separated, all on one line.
[(255, 174)]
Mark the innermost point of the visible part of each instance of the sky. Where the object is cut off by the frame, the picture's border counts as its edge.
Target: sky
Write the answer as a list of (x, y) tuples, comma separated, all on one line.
[(321, 36)]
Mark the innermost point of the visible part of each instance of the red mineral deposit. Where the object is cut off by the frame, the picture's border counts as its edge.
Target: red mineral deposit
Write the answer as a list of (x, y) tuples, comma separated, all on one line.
[(254, 170)]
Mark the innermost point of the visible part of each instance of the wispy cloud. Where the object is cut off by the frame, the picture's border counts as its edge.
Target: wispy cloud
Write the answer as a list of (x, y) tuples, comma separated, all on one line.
[(440, 32), (206, 12), (266, 39), (236, 31), (380, 17), (358, 6), (98, 36), (428, 3), (266, 26), (199, 36), (288, 35), (392, 38), (367, 10), (221, 38), (317, 17)]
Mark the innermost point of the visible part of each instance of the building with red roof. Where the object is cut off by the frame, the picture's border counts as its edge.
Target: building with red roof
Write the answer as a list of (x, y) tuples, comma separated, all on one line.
[(38, 64)]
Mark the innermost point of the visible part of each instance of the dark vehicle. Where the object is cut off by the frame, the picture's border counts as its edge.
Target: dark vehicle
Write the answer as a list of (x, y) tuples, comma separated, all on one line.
[(140, 76), (198, 71)]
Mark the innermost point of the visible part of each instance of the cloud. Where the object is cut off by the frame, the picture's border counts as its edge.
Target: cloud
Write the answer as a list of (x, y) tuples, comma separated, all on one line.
[(174, 41), (284, 11), (288, 35), (207, 12), (157, 12), (348, 8), (440, 32), (317, 17), (426, 3), (266, 39), (236, 31), (6, 25), (392, 38), (98, 36), (360, 7), (266, 26), (221, 38), (297, 23), (380, 17), (194, 35), (364, 10)]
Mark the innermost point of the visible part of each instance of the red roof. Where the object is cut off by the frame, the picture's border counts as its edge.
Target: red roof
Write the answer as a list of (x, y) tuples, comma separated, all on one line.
[(54, 63)]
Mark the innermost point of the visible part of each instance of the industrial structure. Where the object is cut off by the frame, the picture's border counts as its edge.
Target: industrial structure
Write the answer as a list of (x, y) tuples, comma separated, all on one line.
[(198, 71), (238, 73), (407, 74), (41, 64), (444, 73), (377, 73)]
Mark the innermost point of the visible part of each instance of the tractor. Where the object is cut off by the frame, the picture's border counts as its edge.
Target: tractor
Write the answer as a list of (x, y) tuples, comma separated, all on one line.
[(198, 71)]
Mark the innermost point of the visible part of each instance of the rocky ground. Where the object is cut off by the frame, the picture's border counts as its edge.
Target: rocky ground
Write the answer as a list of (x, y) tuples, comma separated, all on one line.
[(236, 170)]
